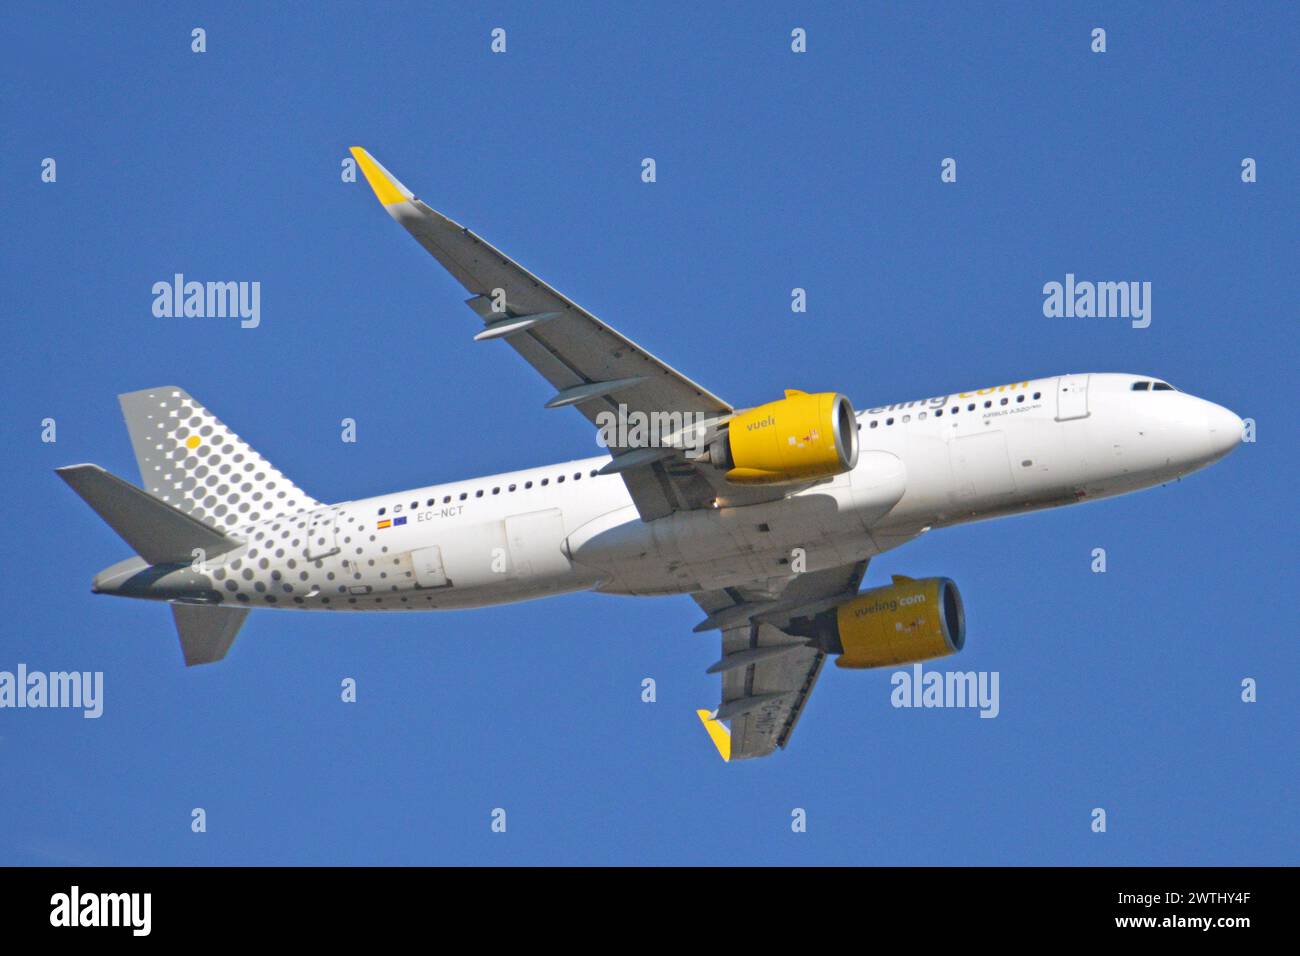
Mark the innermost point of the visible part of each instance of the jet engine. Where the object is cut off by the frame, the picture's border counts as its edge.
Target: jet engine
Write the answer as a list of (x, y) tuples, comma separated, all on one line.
[(906, 622), (797, 438)]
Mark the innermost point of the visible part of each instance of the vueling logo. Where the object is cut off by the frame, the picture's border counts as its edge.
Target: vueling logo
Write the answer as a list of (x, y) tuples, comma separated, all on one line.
[(761, 423), (939, 401), (996, 388)]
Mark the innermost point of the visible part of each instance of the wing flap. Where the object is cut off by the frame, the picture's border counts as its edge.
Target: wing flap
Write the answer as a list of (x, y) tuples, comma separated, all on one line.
[(768, 675)]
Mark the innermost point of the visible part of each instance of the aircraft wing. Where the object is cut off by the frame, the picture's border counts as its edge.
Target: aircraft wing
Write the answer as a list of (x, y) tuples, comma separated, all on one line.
[(767, 675), (589, 364)]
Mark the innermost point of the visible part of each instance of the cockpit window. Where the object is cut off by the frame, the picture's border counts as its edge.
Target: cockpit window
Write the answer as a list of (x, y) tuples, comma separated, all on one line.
[(1141, 386), (1162, 387)]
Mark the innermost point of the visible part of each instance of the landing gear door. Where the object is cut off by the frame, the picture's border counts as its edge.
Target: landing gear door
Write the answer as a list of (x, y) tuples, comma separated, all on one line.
[(1071, 397), (322, 535), (981, 468), (535, 542), (429, 570)]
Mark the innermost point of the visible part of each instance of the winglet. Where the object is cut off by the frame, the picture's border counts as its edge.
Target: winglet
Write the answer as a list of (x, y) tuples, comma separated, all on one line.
[(718, 733), (387, 189)]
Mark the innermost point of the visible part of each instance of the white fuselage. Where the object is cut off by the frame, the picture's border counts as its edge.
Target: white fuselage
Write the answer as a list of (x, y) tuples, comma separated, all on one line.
[(923, 464)]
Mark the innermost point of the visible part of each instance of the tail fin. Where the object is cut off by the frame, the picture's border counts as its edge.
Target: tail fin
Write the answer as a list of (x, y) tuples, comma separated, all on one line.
[(156, 531), (192, 461), (207, 632)]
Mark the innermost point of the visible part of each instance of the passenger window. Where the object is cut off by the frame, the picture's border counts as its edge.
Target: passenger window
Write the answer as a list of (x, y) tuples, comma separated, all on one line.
[(527, 485), (988, 404), (907, 418), (382, 510), (545, 482), (1003, 402), (464, 495), (938, 413), (874, 424), (559, 480), (1037, 395), (431, 502), (396, 508), (921, 417), (970, 407), (1019, 399), (889, 421), (479, 493), (512, 488), (496, 491), (446, 500)]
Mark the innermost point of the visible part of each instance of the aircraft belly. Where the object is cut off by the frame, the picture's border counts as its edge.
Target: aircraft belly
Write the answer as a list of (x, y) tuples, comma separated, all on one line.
[(720, 547)]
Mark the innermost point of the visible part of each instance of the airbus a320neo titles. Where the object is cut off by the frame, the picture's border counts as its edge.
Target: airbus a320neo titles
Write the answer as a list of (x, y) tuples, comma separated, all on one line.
[(766, 516)]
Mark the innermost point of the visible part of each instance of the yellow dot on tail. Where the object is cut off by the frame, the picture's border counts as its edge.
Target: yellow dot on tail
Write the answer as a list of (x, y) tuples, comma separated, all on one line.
[(192, 441)]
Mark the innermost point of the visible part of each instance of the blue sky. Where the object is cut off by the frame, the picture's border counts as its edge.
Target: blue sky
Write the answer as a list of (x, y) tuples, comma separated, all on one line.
[(775, 170)]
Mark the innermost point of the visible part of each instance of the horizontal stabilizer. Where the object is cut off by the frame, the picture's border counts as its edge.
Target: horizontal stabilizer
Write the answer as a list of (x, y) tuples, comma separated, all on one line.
[(207, 632), (154, 529)]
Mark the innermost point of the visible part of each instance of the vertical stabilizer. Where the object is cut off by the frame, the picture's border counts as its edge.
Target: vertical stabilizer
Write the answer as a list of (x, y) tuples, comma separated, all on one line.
[(192, 461)]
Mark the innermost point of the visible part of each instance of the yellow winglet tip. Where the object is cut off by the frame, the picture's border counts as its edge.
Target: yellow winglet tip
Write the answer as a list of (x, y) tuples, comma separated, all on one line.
[(386, 187), (718, 733)]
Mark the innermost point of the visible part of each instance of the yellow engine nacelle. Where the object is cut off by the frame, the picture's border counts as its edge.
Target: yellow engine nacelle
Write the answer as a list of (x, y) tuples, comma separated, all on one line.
[(908, 621), (795, 439)]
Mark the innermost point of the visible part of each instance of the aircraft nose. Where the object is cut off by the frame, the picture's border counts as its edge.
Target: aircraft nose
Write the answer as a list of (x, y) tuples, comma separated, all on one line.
[(1223, 430)]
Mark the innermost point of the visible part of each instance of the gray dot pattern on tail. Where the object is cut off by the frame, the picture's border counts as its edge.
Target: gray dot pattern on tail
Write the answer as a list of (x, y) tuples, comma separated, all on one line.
[(191, 460)]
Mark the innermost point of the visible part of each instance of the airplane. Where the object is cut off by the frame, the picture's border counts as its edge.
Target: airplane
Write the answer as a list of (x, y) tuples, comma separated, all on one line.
[(767, 516)]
